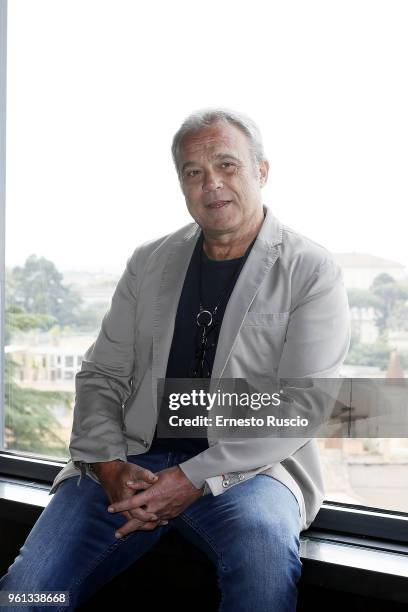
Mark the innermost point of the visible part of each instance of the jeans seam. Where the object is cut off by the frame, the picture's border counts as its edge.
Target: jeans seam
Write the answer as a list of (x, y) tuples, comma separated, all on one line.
[(207, 539), (210, 543), (95, 564)]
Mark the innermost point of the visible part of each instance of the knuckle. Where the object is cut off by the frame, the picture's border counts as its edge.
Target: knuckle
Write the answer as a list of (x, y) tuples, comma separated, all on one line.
[(149, 526), (130, 527)]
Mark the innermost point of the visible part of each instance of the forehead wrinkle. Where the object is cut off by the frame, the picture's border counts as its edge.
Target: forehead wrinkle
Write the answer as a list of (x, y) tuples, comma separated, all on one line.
[(216, 157), (197, 147), (211, 151), (207, 143)]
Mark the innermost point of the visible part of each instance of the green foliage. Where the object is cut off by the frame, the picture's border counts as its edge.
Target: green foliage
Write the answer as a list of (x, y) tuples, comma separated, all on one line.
[(89, 319), (399, 317), (376, 355), (363, 298), (19, 320), (388, 298), (35, 299), (37, 288), (29, 421), (382, 279)]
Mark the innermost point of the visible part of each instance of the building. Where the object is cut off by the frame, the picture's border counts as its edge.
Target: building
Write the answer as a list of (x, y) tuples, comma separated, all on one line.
[(360, 269), (49, 366)]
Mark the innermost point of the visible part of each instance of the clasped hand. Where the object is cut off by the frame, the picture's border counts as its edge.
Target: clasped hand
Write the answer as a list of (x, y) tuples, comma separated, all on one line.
[(164, 495)]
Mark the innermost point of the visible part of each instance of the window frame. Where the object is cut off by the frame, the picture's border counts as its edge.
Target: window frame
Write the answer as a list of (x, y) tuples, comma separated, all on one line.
[(333, 517), (3, 98)]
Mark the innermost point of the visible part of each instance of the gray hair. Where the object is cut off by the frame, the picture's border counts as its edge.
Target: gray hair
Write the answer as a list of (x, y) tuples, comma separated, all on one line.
[(207, 116)]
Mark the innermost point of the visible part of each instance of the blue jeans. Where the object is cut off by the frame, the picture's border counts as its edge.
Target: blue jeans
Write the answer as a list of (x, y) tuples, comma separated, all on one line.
[(250, 532)]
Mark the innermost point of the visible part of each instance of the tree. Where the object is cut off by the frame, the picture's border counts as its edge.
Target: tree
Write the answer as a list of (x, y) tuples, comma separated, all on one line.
[(388, 298), (399, 317), (37, 288), (392, 296), (30, 424), (19, 320), (363, 298)]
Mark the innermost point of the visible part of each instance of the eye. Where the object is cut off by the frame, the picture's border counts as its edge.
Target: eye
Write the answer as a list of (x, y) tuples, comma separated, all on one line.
[(191, 173), (228, 166)]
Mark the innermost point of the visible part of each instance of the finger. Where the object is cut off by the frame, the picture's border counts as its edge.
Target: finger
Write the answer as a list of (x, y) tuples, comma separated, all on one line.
[(151, 526), (138, 484), (129, 527), (135, 525), (136, 501), (142, 515), (146, 475)]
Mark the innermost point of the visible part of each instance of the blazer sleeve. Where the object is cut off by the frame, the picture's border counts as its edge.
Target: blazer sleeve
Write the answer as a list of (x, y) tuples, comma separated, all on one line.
[(317, 341), (104, 382)]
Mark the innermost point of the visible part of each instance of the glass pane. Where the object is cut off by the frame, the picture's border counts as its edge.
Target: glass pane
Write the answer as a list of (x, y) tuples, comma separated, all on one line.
[(95, 94)]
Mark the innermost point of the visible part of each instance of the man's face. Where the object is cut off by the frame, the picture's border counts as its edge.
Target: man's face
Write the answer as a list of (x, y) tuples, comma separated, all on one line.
[(219, 178)]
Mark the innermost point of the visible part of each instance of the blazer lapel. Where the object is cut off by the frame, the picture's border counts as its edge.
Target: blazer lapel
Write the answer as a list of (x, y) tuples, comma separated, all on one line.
[(166, 303), (262, 257)]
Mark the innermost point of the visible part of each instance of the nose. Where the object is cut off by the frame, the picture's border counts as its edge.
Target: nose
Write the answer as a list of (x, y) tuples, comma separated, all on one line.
[(211, 182)]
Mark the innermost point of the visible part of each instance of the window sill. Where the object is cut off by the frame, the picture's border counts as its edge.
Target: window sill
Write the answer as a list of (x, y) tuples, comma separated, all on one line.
[(336, 561)]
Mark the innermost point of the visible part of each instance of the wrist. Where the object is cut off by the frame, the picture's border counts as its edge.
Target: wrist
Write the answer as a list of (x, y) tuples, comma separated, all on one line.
[(200, 490), (103, 468)]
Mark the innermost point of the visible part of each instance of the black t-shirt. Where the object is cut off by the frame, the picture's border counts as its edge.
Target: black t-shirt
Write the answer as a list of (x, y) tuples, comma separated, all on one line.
[(218, 278)]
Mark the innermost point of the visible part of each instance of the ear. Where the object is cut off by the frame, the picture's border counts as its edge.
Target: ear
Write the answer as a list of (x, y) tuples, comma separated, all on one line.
[(263, 172)]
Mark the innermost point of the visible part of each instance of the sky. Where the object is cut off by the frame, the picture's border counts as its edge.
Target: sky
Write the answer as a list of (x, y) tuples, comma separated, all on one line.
[(96, 89)]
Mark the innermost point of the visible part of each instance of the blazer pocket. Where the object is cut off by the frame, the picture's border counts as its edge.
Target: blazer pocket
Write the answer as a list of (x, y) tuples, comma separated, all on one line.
[(260, 343), (269, 319)]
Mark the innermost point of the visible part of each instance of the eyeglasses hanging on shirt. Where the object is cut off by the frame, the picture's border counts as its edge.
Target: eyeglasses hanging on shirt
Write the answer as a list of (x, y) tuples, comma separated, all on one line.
[(209, 319)]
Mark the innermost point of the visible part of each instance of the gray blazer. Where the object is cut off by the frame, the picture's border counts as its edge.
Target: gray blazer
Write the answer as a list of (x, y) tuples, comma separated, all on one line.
[(287, 317)]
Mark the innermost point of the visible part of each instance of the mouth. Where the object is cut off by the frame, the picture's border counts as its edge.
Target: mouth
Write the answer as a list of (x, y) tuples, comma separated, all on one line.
[(217, 204)]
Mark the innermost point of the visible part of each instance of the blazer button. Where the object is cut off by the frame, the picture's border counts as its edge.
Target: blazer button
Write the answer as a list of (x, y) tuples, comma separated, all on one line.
[(225, 483), (241, 477)]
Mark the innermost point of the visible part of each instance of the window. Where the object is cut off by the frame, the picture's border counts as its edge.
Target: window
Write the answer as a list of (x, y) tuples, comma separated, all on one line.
[(89, 177), (69, 361)]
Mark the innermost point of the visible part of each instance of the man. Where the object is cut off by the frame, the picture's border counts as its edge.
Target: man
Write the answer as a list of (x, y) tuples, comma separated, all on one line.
[(233, 295)]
